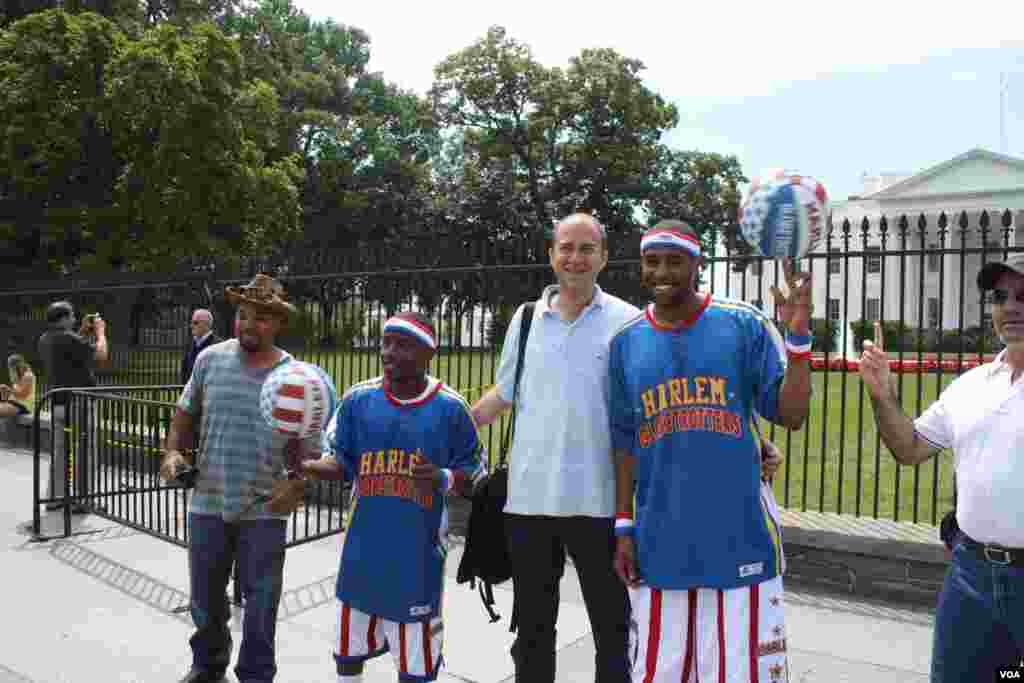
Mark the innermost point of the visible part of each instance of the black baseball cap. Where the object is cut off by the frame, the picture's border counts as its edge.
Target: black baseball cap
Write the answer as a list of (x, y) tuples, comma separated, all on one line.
[(988, 276)]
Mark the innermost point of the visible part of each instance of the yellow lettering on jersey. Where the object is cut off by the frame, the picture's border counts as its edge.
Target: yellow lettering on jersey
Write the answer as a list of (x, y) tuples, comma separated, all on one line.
[(701, 383), (717, 391), (648, 398), (662, 398), (380, 466), (394, 461), (675, 392), (365, 464), (403, 465), (687, 397)]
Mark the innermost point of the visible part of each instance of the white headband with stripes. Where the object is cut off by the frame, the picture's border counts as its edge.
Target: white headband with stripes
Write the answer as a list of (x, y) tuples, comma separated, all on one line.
[(411, 328), (672, 239)]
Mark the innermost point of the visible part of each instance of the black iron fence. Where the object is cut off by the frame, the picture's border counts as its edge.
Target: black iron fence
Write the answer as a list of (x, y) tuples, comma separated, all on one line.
[(99, 450), (916, 273)]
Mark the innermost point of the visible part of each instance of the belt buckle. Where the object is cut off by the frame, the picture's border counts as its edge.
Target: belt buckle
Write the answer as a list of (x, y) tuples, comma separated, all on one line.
[(990, 552)]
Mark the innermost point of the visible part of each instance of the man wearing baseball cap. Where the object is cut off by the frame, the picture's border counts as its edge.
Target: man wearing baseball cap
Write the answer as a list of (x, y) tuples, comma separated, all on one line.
[(979, 626)]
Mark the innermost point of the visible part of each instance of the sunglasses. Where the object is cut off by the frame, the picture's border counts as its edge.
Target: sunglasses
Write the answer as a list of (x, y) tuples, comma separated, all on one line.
[(1001, 296)]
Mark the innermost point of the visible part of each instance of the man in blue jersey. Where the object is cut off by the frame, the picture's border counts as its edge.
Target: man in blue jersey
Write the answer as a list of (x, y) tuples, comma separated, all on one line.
[(703, 558), (409, 441)]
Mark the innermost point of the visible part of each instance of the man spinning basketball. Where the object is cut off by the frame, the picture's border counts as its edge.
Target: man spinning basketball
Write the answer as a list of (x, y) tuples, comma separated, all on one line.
[(702, 553)]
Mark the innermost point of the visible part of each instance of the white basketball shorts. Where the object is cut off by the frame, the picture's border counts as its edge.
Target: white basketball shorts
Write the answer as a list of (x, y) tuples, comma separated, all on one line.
[(415, 647), (707, 635)]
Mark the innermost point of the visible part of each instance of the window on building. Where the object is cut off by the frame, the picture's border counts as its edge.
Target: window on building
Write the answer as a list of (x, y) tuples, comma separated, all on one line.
[(834, 261), (874, 262), (833, 310), (933, 313), (757, 267), (874, 311), (934, 258), (986, 322)]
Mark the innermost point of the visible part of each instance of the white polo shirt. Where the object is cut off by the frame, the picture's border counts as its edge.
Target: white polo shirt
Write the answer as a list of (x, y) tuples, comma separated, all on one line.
[(560, 462), (980, 417)]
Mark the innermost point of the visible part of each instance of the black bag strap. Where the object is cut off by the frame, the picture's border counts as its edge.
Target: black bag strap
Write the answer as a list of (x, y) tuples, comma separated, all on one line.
[(524, 332)]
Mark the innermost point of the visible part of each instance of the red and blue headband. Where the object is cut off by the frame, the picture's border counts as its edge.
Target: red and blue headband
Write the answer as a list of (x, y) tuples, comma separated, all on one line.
[(669, 238), (411, 328)]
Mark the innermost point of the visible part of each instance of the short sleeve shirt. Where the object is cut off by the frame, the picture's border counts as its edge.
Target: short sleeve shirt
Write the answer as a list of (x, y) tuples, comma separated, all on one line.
[(560, 459), (68, 359), (980, 417), (240, 455)]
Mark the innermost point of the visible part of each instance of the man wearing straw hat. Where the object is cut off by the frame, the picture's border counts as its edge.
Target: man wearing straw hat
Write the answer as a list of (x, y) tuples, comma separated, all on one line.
[(240, 506)]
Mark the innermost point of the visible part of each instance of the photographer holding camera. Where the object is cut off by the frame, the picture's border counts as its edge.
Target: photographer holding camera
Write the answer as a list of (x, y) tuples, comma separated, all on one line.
[(68, 358)]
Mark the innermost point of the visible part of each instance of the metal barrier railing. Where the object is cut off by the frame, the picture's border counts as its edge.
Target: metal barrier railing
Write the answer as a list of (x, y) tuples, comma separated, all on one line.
[(108, 443)]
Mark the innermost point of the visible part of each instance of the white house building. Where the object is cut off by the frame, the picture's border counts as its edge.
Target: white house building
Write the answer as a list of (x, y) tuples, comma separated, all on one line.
[(923, 282)]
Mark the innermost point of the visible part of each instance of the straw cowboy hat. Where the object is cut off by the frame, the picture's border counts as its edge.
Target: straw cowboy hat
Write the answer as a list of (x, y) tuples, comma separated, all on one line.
[(265, 292)]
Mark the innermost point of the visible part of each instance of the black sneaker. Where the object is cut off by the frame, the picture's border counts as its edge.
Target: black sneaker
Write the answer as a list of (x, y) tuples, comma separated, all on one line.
[(200, 676)]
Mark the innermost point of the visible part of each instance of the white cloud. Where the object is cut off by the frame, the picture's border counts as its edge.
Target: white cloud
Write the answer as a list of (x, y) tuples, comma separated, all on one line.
[(717, 49)]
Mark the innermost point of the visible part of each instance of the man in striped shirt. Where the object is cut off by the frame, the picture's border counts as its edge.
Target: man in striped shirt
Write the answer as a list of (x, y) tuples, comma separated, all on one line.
[(241, 500)]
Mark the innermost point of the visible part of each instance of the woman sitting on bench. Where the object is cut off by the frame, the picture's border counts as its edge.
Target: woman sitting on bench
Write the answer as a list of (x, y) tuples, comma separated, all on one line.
[(18, 397)]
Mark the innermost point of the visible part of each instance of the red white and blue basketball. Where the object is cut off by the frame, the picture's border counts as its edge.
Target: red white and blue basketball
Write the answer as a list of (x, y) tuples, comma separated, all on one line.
[(298, 399), (784, 215)]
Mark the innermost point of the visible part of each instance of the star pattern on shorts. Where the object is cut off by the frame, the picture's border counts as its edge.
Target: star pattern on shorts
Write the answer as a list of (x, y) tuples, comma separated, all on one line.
[(774, 601), (777, 631)]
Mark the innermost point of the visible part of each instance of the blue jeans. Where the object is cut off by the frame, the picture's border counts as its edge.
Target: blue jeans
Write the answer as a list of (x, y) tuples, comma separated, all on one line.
[(214, 546), (979, 626)]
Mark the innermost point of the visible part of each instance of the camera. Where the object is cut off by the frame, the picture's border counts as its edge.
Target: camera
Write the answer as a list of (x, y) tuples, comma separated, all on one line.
[(185, 476), (89, 324)]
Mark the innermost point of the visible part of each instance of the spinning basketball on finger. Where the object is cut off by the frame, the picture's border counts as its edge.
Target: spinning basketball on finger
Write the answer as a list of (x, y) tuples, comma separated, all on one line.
[(691, 375)]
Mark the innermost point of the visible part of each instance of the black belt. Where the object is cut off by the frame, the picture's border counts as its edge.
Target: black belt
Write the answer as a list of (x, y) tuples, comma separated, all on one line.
[(993, 552)]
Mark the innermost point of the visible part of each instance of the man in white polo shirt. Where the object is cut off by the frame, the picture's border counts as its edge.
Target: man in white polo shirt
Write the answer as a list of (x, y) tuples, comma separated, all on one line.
[(979, 626), (561, 495)]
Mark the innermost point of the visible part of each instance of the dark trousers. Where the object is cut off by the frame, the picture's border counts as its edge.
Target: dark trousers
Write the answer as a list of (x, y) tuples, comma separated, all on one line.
[(979, 624), (258, 547), (537, 548)]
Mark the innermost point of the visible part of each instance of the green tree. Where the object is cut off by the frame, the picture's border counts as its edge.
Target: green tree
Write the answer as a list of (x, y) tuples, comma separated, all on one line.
[(57, 161), (195, 131)]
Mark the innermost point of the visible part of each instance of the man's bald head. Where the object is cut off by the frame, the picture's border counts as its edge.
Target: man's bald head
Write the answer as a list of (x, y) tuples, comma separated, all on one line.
[(201, 323), (583, 219)]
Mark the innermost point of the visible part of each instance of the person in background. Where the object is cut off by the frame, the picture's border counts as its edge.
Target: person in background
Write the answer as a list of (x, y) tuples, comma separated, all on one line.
[(203, 336), (69, 359), (18, 397)]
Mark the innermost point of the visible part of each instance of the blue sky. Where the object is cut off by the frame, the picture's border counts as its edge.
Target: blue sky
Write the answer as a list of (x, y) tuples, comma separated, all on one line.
[(831, 89)]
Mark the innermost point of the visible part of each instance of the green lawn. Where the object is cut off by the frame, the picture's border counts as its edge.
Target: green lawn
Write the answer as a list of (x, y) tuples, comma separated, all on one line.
[(841, 436), (839, 443)]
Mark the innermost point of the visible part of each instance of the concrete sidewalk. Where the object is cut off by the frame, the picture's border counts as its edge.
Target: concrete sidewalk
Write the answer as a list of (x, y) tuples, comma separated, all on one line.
[(104, 605)]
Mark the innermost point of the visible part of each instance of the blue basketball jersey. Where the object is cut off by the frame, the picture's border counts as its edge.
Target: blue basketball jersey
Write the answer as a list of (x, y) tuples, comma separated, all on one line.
[(392, 564), (681, 402)]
